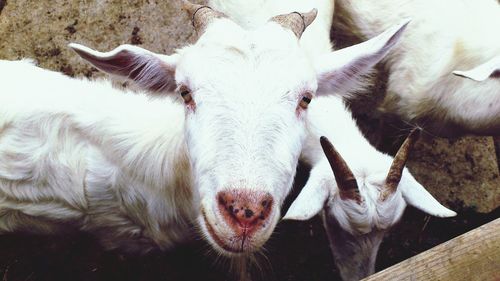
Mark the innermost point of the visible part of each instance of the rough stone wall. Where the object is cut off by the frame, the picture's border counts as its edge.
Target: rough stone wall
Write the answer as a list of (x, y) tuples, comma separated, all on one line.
[(42, 29), (458, 172), (461, 172)]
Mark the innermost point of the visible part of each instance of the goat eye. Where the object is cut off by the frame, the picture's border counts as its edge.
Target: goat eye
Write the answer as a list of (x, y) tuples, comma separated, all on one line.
[(306, 99), (186, 94)]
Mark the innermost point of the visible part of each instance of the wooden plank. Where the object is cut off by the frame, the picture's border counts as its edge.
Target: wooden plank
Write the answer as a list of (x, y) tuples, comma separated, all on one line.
[(474, 255)]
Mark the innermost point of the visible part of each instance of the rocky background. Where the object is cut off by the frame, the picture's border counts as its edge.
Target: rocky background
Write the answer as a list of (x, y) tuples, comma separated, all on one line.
[(462, 173)]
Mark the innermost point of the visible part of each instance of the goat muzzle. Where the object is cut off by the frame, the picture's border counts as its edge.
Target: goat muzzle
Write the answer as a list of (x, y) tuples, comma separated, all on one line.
[(295, 21), (346, 182)]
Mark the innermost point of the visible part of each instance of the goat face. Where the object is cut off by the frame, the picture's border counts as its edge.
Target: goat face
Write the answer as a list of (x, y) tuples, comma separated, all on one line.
[(245, 94), (361, 202), (244, 127)]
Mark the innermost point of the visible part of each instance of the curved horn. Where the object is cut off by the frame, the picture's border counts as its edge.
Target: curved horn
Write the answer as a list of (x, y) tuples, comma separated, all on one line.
[(348, 187), (295, 21), (398, 164), (201, 16)]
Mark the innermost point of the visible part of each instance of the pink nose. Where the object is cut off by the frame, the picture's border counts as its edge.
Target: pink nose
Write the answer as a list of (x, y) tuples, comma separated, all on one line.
[(244, 209)]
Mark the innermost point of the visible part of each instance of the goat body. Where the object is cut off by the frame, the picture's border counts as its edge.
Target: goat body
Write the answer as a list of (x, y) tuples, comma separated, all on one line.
[(82, 153), (444, 38)]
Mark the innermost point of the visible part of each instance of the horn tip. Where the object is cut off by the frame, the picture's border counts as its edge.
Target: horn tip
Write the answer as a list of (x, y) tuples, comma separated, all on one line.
[(324, 141), (326, 145), (310, 16)]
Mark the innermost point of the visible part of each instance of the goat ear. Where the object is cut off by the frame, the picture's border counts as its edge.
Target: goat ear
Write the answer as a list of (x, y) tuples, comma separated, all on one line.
[(312, 198), (150, 71), (340, 70), (483, 71), (416, 195)]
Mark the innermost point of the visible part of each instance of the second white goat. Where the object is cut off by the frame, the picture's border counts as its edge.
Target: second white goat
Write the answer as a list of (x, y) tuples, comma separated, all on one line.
[(445, 38)]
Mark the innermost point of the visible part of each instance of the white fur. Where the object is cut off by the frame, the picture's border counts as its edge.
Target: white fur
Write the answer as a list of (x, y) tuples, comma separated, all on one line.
[(483, 71), (252, 14), (355, 230), (444, 37), (82, 153)]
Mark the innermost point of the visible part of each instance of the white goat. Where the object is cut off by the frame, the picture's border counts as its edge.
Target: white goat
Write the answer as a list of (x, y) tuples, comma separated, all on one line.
[(80, 152), (445, 37), (361, 205), (136, 171), (361, 202)]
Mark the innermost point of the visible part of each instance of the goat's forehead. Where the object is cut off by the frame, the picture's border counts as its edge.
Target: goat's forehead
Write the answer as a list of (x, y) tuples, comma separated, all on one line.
[(267, 56), (268, 36)]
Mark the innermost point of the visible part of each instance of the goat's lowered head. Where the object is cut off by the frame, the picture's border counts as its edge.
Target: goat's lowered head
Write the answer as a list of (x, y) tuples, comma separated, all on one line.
[(245, 95), (361, 204)]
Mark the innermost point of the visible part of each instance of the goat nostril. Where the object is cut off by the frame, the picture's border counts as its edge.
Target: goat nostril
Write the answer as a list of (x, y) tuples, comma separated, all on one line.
[(244, 210), (221, 200), (248, 213)]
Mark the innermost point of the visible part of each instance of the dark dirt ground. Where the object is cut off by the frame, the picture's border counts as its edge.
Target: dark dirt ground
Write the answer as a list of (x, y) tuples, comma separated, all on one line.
[(296, 251)]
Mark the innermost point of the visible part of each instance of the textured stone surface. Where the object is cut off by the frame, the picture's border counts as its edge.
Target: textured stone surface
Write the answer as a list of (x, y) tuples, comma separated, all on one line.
[(462, 171), (42, 29)]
